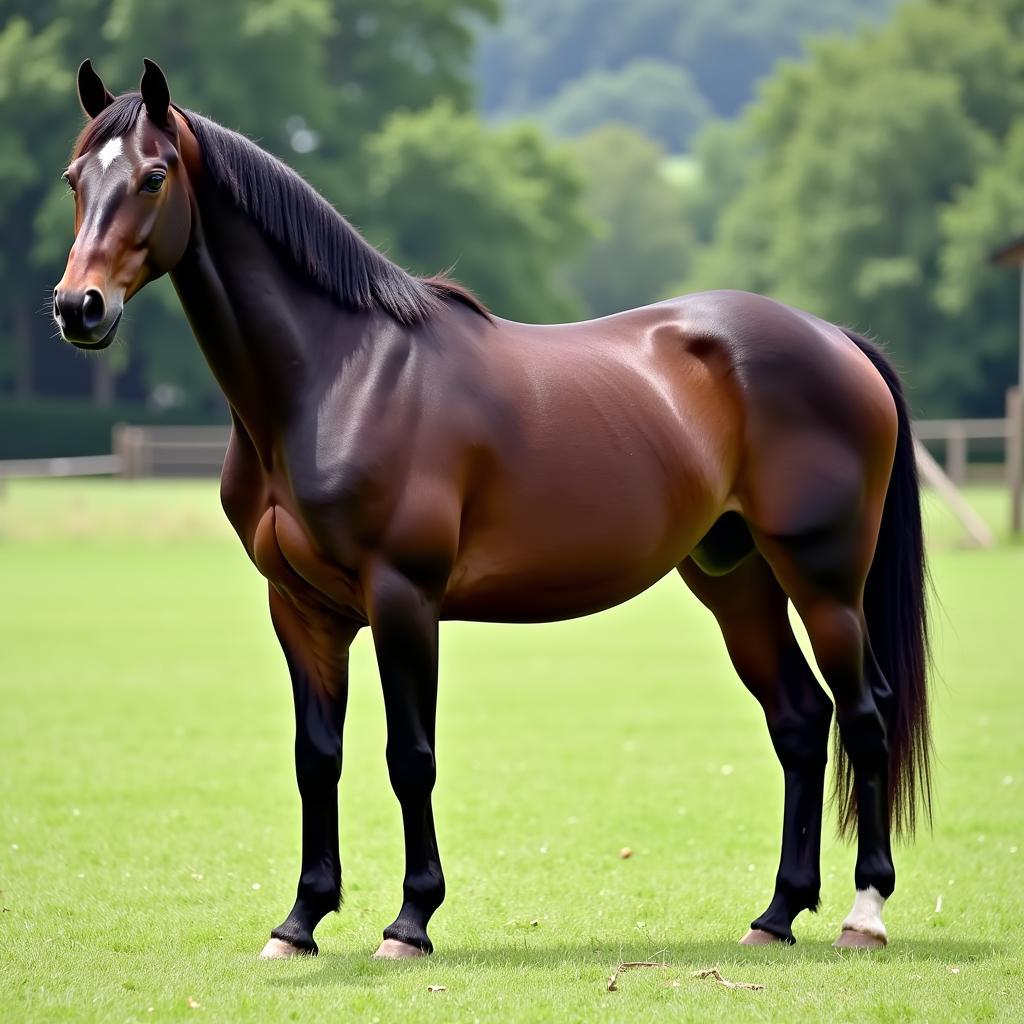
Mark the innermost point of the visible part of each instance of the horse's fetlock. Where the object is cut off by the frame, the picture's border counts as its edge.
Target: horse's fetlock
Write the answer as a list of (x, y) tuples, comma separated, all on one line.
[(425, 889), (802, 890), (877, 872)]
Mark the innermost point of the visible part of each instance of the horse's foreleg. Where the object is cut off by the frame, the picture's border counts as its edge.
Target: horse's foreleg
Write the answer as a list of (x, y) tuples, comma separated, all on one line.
[(404, 623), (316, 650), (751, 609)]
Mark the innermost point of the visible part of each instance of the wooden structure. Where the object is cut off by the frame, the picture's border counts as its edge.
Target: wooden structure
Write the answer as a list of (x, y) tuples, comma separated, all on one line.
[(170, 451), (1012, 255)]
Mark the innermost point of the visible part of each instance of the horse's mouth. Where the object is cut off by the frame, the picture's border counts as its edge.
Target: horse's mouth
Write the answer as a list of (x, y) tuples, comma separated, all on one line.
[(104, 342)]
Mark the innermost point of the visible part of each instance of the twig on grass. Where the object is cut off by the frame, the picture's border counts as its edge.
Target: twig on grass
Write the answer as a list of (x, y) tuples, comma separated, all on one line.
[(715, 974), (631, 965)]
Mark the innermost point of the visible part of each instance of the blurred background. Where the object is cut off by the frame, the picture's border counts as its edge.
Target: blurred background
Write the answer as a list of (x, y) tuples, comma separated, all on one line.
[(858, 158)]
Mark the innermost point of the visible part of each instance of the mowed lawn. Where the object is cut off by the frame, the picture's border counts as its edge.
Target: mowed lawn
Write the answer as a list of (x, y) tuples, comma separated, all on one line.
[(149, 821)]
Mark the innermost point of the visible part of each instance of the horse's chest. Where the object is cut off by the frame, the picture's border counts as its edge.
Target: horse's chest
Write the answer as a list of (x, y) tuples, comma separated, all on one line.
[(291, 559), (298, 534)]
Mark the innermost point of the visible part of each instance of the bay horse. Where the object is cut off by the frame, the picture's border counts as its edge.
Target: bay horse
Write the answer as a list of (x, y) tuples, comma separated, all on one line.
[(399, 456)]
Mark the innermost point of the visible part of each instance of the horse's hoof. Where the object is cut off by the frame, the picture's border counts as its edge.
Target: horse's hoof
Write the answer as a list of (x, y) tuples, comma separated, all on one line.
[(279, 949), (393, 949), (851, 939), (759, 937)]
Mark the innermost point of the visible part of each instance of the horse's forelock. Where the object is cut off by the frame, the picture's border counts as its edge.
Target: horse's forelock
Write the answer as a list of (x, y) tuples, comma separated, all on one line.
[(116, 120)]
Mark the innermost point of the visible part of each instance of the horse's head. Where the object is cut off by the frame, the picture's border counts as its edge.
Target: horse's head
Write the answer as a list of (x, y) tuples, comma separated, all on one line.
[(133, 208)]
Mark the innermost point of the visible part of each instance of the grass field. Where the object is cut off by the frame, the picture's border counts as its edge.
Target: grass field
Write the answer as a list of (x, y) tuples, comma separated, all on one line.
[(148, 819)]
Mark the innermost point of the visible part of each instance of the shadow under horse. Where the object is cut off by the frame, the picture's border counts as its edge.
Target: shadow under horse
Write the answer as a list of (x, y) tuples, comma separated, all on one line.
[(399, 456)]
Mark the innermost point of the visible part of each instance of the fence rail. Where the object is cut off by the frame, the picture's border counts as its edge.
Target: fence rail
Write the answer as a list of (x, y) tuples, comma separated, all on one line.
[(75, 465)]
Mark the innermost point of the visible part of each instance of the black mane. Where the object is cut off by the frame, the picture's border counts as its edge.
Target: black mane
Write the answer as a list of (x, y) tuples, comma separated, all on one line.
[(311, 232)]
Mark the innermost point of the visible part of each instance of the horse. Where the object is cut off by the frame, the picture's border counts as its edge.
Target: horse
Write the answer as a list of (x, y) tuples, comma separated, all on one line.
[(400, 456)]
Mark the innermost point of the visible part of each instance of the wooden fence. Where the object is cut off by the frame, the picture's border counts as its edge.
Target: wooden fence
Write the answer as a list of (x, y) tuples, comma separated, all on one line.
[(170, 451), (955, 437)]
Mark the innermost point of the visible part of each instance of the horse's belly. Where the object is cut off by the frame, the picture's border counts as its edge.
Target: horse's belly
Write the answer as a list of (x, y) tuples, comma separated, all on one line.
[(525, 596), (575, 543)]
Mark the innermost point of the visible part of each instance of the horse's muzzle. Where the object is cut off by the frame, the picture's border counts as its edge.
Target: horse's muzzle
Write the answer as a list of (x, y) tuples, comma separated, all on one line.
[(84, 317)]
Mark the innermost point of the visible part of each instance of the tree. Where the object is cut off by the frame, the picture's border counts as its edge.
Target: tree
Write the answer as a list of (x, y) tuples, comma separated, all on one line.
[(643, 242), (279, 70), (655, 97), (34, 85), (541, 48), (500, 206), (979, 297)]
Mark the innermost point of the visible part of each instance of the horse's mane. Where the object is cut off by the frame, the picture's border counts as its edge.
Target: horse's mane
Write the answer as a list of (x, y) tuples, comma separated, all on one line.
[(318, 239)]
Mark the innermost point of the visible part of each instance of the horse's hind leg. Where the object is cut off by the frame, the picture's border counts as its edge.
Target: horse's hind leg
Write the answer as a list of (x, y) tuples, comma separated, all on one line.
[(823, 572), (751, 609)]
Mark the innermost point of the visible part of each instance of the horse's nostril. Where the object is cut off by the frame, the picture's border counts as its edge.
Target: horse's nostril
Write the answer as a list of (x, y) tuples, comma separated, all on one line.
[(92, 309)]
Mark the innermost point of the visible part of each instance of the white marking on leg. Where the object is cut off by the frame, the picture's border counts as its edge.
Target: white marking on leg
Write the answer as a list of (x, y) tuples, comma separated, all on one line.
[(866, 915), (110, 152)]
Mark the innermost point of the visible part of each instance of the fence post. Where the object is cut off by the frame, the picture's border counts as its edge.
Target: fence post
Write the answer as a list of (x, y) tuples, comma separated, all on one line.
[(125, 442), (1015, 457), (118, 446), (956, 454)]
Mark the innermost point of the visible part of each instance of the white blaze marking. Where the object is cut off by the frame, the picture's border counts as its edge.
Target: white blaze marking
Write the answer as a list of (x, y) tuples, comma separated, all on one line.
[(866, 915), (110, 152)]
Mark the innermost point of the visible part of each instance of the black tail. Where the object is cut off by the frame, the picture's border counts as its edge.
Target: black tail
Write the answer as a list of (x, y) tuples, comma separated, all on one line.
[(894, 608)]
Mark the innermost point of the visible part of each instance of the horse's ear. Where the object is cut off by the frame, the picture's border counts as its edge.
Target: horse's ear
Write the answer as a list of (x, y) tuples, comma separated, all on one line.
[(94, 96), (155, 93)]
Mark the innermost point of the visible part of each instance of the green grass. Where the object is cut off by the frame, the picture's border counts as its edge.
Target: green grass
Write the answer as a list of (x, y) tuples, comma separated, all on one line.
[(146, 791)]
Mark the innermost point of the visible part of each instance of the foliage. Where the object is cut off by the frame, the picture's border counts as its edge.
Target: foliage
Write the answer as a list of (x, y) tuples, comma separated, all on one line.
[(657, 98), (980, 297), (35, 83), (859, 208), (643, 240), (545, 56), (503, 210)]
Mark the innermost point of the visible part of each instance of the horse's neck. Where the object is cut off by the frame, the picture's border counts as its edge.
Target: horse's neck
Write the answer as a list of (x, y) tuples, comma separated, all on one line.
[(270, 341)]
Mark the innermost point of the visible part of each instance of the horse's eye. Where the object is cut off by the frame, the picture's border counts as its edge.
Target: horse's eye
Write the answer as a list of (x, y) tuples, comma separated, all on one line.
[(66, 178), (153, 182)]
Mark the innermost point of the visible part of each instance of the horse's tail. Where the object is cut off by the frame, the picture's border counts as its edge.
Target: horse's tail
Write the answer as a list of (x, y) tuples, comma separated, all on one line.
[(896, 617)]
